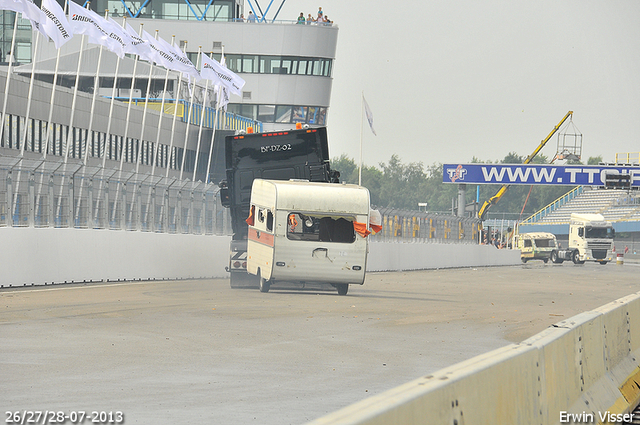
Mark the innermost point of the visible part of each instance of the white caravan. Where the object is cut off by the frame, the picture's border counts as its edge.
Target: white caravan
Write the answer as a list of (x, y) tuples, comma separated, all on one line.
[(535, 245), (308, 232)]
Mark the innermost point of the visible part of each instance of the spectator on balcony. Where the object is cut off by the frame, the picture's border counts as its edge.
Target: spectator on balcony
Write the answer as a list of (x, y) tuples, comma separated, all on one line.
[(251, 18), (301, 19)]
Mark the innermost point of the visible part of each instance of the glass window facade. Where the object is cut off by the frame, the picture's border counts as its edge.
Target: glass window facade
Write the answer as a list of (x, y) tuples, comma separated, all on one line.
[(287, 65), (22, 48), (219, 10), (263, 64)]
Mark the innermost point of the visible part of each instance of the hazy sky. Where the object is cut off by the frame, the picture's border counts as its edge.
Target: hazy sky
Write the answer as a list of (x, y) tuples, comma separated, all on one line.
[(450, 80)]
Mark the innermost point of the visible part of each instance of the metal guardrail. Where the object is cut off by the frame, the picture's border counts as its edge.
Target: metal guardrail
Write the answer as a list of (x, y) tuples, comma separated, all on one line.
[(72, 195), (58, 194), (415, 226)]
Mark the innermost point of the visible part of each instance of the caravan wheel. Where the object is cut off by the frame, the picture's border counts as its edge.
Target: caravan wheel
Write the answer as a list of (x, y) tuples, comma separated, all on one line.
[(343, 288), (264, 284)]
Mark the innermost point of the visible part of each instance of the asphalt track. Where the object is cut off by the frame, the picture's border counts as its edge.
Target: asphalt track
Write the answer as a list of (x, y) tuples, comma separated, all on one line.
[(168, 352)]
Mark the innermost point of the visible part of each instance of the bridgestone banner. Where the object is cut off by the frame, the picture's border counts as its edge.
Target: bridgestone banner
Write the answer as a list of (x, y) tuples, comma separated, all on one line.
[(569, 175), (96, 28), (56, 25)]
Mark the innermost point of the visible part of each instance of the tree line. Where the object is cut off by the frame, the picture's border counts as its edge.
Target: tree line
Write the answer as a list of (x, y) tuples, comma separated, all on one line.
[(395, 184)]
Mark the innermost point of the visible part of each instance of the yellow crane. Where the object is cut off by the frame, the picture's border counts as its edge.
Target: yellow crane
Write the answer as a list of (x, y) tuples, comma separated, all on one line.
[(495, 198)]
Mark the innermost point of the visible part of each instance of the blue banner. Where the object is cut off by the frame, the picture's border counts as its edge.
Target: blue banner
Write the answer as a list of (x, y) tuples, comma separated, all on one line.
[(570, 175)]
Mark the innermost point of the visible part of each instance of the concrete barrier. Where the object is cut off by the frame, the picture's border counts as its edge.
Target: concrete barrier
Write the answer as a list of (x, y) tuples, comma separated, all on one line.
[(582, 370), (386, 256), (33, 256), (38, 256)]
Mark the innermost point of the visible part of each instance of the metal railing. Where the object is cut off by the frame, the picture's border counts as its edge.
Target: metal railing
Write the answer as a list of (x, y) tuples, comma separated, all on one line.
[(38, 193), (414, 226), (59, 194)]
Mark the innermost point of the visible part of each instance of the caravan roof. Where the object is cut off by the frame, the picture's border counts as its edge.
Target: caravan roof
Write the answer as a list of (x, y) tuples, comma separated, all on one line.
[(308, 196)]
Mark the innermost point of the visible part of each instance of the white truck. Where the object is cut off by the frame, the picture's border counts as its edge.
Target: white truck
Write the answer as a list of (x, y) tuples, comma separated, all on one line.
[(590, 239), (306, 232)]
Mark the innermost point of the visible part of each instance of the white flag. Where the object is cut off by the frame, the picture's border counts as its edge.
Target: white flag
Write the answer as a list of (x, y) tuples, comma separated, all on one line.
[(138, 46), (223, 91), (182, 62), (158, 52), (96, 28), (222, 75), (367, 111), (56, 25), (35, 16), (29, 11), (119, 40), (223, 97), (208, 69)]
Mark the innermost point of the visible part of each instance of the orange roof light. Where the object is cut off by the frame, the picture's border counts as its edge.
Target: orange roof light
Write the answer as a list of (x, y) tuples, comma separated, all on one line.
[(249, 130), (298, 126)]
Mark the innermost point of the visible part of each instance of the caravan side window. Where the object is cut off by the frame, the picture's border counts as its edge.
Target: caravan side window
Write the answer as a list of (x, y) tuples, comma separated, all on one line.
[(320, 228), (269, 221)]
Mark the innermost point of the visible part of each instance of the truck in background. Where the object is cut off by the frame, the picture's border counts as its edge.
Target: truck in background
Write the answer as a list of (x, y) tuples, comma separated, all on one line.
[(535, 245), (279, 155), (306, 233), (590, 239)]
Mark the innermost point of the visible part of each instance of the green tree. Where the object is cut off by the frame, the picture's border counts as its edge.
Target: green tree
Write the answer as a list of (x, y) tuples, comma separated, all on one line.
[(371, 176), (594, 160)]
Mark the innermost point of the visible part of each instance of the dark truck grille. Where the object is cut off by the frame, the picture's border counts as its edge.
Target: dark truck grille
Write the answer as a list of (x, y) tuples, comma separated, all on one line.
[(599, 249)]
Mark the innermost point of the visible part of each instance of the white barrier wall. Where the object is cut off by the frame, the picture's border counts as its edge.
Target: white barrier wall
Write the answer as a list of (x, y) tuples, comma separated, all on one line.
[(35, 256), (385, 256), (587, 366), (47, 255)]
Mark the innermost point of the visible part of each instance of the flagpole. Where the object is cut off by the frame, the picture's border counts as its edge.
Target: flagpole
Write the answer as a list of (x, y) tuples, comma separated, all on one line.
[(4, 110), (53, 96), (70, 132), (186, 134), (202, 116), (6, 85), (124, 137), (31, 80), (107, 136), (361, 132), (96, 87), (156, 143), (215, 121), (126, 125), (213, 135), (144, 114), (164, 95), (176, 94), (50, 124)]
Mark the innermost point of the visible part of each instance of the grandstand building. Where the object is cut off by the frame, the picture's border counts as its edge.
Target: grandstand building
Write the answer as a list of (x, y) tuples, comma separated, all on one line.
[(287, 68)]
